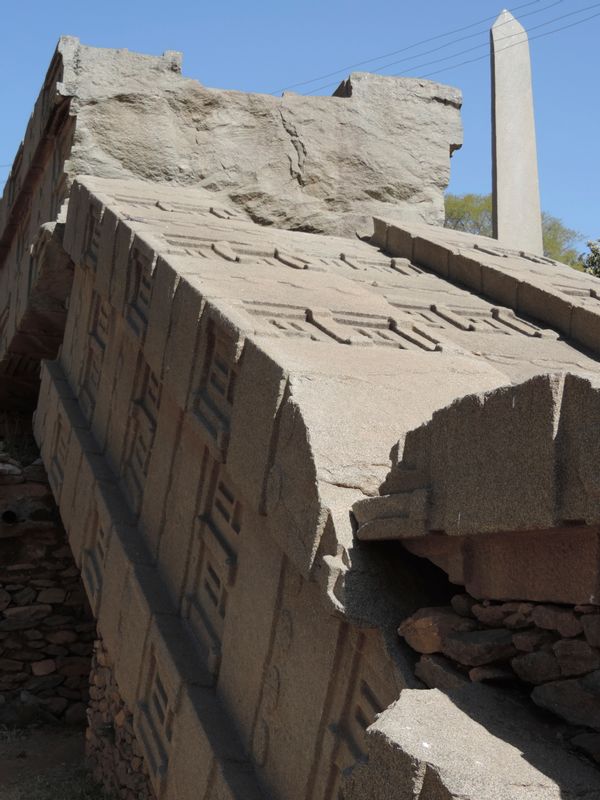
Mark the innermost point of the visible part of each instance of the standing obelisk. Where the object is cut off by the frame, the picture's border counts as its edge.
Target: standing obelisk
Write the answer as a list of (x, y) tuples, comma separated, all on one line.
[(516, 194)]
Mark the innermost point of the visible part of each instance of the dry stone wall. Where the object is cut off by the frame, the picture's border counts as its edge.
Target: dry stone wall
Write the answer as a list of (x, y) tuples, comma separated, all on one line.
[(46, 629), (112, 749), (551, 651)]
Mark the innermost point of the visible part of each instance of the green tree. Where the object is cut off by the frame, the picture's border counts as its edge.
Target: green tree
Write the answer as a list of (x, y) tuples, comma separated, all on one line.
[(591, 261), (473, 213)]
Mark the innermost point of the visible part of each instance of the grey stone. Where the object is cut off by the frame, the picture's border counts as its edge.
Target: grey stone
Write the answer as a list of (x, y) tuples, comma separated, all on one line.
[(576, 657), (516, 194), (537, 667), (576, 700), (475, 744)]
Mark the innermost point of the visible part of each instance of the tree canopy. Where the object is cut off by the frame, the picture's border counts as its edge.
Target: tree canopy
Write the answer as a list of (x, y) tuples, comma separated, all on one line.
[(473, 213)]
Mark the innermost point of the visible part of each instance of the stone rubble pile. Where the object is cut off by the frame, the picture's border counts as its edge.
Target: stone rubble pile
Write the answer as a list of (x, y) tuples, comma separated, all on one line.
[(553, 650), (46, 630), (112, 749)]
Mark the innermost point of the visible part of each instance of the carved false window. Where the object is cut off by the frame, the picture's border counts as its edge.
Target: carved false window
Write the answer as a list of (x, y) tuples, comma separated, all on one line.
[(139, 291), (140, 433), (98, 337), (214, 400)]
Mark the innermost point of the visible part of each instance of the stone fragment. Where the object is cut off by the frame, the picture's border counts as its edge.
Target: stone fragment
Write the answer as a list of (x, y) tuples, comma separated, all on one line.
[(509, 615), (24, 597), (474, 648), (576, 700), (438, 673), (533, 639), (425, 631), (5, 599), (555, 618), (586, 609), (536, 667), (61, 637), (21, 617), (491, 674), (45, 667), (51, 596), (463, 604), (576, 657), (591, 628), (42, 682)]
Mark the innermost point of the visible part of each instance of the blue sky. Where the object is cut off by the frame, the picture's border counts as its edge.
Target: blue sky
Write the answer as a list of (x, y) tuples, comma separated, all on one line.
[(265, 46)]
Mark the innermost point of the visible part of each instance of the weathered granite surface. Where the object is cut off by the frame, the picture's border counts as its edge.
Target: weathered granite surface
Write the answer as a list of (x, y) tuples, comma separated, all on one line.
[(218, 422)]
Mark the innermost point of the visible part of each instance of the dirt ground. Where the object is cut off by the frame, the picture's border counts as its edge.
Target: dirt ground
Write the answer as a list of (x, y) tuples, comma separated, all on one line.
[(44, 763)]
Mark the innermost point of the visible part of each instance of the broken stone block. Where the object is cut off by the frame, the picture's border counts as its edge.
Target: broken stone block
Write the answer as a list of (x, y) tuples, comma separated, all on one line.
[(555, 618), (576, 700), (536, 667), (474, 744), (425, 631), (474, 648), (438, 673), (576, 657)]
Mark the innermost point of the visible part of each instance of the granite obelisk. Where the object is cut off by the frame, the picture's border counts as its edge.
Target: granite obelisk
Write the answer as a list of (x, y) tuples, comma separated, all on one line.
[(516, 195)]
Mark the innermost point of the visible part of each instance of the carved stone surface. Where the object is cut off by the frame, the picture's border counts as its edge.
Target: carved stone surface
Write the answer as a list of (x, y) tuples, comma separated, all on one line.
[(218, 422)]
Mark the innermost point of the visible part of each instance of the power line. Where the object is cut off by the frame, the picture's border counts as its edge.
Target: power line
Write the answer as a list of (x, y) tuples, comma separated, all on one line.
[(533, 38), (413, 67), (408, 47)]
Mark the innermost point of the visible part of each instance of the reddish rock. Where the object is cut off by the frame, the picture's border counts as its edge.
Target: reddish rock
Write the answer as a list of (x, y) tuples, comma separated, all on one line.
[(474, 648), (536, 667), (556, 618), (437, 672), (426, 630), (576, 657), (61, 637), (533, 640), (46, 667), (493, 673)]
